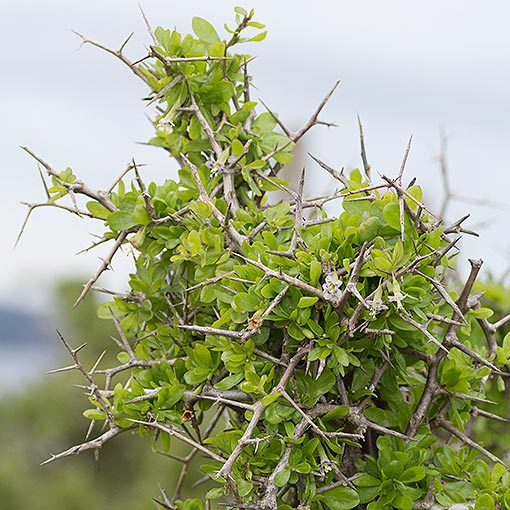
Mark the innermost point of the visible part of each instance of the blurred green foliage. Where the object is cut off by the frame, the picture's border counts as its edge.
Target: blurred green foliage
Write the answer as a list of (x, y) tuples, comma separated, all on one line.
[(495, 434), (44, 417)]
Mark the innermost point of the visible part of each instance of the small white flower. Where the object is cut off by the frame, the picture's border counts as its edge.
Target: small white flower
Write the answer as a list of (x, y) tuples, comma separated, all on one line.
[(331, 287), (164, 125), (216, 167), (397, 297), (376, 305)]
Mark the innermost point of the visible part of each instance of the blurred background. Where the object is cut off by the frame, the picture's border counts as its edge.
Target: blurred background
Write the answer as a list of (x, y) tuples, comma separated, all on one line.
[(426, 70)]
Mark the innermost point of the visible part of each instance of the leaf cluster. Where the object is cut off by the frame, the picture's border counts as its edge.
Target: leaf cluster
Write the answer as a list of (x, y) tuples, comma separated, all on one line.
[(309, 359)]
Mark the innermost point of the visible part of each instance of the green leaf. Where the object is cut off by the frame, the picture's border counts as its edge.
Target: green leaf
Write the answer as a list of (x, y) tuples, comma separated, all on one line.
[(240, 11), (391, 214), (130, 324), (194, 129), (320, 352), (369, 229), (264, 123), (220, 92), (403, 502), (256, 24), (165, 441), (283, 157), (123, 357), (215, 493), (337, 413), (94, 414), (244, 487), (173, 394), (413, 474), (237, 147), (393, 470), (366, 480), (229, 382), (481, 313), (484, 502), (197, 375), (97, 210), (204, 30), (315, 272), (202, 355), (120, 220), (67, 176), (216, 49), (140, 215), (303, 467), (138, 239), (324, 383), (282, 477), (307, 301), (269, 399), (340, 498), (105, 310), (259, 37), (497, 472), (506, 499), (201, 209), (244, 302)]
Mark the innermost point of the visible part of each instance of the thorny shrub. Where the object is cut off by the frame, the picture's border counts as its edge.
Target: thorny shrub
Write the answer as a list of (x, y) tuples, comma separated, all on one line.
[(309, 361)]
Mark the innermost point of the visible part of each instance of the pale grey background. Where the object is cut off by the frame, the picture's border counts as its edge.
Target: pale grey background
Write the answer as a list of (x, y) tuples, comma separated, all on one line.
[(406, 68)]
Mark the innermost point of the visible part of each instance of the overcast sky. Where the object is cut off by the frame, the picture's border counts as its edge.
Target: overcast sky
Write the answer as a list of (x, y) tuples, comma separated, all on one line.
[(405, 67)]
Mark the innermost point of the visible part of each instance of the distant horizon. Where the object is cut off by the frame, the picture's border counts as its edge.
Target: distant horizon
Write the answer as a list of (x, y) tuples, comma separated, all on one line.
[(27, 346)]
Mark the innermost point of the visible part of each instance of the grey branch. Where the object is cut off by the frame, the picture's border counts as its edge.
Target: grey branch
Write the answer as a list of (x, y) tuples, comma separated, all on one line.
[(105, 264), (236, 238), (77, 186), (95, 444)]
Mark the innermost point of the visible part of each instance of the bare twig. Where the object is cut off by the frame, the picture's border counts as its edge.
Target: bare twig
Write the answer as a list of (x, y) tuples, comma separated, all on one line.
[(147, 24), (339, 176), (165, 89), (364, 159), (298, 220), (116, 53), (145, 194), (404, 161), (442, 422), (105, 264), (95, 444), (431, 384), (173, 431), (77, 186), (284, 277), (424, 330), (313, 120)]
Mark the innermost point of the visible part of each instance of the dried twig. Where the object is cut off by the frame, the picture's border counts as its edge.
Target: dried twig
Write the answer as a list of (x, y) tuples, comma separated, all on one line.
[(77, 186), (105, 264), (313, 120), (116, 53), (364, 159), (442, 422), (95, 444)]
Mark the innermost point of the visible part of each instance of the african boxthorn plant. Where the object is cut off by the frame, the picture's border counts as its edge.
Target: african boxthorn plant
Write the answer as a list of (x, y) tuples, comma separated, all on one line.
[(307, 360)]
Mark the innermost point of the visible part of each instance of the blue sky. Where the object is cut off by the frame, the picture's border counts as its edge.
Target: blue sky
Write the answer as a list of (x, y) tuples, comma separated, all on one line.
[(405, 67)]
